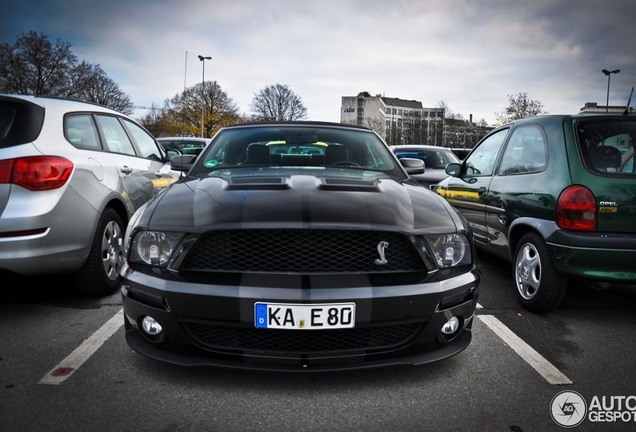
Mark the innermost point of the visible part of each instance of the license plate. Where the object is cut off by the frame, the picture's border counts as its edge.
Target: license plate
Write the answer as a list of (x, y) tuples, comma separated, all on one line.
[(304, 316)]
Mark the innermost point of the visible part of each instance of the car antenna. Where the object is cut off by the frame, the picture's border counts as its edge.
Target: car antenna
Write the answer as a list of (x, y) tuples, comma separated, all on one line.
[(628, 102)]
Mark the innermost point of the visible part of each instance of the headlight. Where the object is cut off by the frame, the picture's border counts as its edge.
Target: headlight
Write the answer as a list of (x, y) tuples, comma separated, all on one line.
[(153, 247), (451, 250)]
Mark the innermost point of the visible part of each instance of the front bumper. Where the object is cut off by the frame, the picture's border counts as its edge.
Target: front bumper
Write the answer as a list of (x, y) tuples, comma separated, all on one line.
[(213, 325)]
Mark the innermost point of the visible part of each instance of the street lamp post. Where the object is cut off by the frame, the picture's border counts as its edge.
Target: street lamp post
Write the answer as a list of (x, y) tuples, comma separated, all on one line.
[(203, 59), (608, 73)]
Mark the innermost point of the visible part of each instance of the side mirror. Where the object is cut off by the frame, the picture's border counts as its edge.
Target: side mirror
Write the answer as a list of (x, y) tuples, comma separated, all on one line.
[(182, 162), (413, 166), (453, 169)]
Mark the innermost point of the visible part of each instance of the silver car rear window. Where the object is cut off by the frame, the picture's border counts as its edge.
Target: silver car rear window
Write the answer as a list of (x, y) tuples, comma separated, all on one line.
[(20, 122)]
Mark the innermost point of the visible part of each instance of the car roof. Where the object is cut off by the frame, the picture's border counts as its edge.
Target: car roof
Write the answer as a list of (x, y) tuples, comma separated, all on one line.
[(561, 117), (299, 123), (188, 139), (418, 146), (55, 103)]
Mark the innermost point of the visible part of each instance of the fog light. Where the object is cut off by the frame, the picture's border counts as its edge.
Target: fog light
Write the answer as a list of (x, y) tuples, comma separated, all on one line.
[(451, 326), (151, 326)]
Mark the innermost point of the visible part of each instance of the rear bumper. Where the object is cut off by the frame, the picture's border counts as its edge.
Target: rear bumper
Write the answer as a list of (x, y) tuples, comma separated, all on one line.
[(604, 257), (46, 232)]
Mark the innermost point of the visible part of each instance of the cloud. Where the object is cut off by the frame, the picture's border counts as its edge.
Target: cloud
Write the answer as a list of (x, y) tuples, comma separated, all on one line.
[(470, 54)]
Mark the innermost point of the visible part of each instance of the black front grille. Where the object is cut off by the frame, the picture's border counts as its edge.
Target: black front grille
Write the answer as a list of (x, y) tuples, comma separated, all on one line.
[(215, 337), (302, 251)]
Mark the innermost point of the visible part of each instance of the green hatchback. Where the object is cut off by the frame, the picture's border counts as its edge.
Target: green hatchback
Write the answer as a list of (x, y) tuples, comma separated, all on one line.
[(555, 195)]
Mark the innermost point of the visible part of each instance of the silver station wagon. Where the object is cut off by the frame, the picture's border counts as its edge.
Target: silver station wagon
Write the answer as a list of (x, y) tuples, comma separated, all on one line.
[(71, 175)]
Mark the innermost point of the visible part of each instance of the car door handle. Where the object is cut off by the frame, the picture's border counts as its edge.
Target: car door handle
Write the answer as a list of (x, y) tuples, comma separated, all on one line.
[(158, 174), (126, 170), (481, 191)]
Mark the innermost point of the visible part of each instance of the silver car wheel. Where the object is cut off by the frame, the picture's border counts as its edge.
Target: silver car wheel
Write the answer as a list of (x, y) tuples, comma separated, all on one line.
[(112, 250), (528, 271)]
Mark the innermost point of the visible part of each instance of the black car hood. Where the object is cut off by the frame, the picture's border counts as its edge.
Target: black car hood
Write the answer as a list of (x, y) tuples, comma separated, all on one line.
[(299, 201)]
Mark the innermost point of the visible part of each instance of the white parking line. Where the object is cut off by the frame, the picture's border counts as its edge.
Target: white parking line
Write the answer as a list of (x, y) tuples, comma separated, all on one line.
[(71, 363), (548, 371)]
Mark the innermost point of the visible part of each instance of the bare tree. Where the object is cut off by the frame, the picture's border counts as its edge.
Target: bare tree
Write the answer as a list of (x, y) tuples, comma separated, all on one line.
[(36, 66), (95, 86), (182, 114), (448, 113), (374, 124), (278, 103), (155, 120), (520, 107)]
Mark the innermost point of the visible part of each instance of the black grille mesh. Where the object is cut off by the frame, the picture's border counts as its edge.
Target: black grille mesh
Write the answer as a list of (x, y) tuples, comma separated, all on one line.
[(300, 341), (302, 251)]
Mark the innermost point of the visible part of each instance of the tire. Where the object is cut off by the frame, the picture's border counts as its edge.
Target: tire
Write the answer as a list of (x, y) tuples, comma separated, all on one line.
[(100, 274), (540, 287)]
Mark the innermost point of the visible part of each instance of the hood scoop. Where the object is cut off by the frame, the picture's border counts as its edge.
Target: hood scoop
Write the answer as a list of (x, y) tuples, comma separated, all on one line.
[(252, 183), (295, 182), (343, 184)]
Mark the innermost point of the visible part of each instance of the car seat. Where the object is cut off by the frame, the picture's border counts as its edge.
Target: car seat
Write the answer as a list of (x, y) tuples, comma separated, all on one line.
[(605, 158), (257, 154)]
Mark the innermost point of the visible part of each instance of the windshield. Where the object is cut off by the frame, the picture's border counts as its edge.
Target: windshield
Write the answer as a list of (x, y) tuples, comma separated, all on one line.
[(297, 149)]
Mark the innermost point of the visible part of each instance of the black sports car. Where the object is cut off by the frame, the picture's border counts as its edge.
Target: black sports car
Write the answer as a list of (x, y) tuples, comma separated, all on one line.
[(298, 246)]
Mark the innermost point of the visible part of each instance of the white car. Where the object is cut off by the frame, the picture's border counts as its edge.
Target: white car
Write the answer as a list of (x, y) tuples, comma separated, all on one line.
[(71, 176)]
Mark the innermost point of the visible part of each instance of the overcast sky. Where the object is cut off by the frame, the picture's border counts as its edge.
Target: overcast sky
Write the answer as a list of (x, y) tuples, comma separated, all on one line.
[(470, 54)]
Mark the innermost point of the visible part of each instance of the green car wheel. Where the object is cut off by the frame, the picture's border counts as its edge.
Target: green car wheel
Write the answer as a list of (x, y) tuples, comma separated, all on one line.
[(540, 287)]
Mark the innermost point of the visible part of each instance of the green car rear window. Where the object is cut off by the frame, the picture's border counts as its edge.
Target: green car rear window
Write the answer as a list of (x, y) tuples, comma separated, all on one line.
[(607, 146)]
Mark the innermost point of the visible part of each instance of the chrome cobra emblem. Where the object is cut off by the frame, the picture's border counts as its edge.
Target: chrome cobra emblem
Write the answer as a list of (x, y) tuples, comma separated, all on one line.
[(381, 247)]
